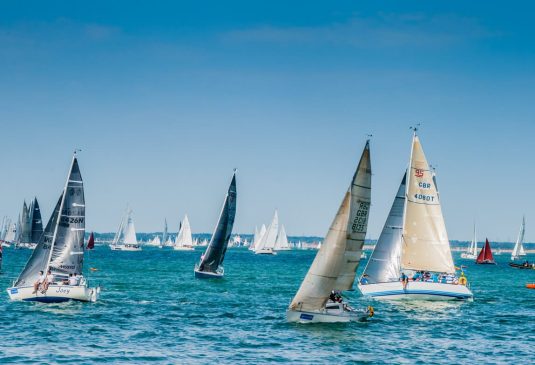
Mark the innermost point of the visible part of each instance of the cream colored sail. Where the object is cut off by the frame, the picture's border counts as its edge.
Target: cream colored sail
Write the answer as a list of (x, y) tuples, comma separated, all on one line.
[(323, 273), (425, 243), (357, 224)]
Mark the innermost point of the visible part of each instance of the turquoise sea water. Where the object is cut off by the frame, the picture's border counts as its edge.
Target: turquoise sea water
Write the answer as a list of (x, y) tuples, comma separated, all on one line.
[(152, 310)]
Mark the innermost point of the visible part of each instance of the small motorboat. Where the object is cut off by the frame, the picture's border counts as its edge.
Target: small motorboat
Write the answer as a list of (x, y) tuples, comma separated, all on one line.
[(525, 265)]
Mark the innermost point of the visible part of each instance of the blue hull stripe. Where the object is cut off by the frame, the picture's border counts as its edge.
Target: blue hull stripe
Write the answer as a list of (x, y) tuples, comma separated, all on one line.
[(49, 299), (415, 292)]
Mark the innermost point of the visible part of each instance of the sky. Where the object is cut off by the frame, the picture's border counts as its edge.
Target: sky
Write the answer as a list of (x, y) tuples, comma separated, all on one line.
[(165, 98)]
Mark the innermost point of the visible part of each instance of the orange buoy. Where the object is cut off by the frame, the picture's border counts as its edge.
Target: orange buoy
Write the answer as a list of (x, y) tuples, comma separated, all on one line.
[(530, 286)]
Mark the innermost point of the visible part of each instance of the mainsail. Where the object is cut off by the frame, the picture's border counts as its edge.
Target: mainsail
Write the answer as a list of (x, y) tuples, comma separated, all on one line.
[(485, 254), (425, 240), (67, 254), (91, 242), (36, 222), (518, 250), (26, 230), (384, 263), (331, 266), (215, 253), (129, 231), (358, 220), (164, 236)]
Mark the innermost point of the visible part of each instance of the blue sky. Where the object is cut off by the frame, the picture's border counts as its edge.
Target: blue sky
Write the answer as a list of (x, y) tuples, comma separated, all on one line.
[(166, 98)]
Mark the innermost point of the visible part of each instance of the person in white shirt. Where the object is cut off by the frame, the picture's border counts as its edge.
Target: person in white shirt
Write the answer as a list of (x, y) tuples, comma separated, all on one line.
[(73, 280), (49, 280), (39, 282)]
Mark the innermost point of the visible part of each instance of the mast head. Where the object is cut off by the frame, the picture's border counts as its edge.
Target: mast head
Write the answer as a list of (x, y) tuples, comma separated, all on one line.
[(415, 128)]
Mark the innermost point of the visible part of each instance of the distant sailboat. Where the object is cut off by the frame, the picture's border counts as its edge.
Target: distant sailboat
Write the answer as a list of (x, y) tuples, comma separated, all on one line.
[(485, 256), (414, 239), (518, 250), (335, 264), (184, 239), (267, 243), (281, 243), (211, 264), (257, 237), (91, 242), (125, 239), (471, 252), (60, 250)]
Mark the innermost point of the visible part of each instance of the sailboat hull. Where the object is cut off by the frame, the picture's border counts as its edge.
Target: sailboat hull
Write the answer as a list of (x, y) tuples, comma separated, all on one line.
[(266, 251), (125, 248), (416, 290), (326, 316), (468, 256), (182, 248), (55, 294), (208, 275)]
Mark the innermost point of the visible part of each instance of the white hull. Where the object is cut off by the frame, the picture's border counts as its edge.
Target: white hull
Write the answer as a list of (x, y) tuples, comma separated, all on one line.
[(334, 313), (55, 294), (183, 248), (283, 249), (125, 248), (416, 290), (469, 256), (266, 251)]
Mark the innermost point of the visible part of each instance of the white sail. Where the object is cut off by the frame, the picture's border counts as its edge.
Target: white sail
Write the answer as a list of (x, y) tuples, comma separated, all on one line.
[(358, 220), (282, 240), (270, 237), (518, 250), (129, 232), (11, 233), (340, 252), (184, 237), (383, 265), (425, 239), (473, 244)]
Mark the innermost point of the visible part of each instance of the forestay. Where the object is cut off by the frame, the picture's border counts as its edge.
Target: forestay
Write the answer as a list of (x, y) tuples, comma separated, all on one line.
[(425, 240), (383, 265), (215, 253), (357, 224)]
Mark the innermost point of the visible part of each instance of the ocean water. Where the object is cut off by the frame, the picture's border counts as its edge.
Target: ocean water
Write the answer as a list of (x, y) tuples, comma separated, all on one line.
[(152, 310)]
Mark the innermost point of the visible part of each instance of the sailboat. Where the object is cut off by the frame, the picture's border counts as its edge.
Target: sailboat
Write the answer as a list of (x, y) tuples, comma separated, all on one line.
[(413, 240), (518, 250), (485, 255), (91, 242), (184, 239), (211, 262), (257, 236), (125, 239), (471, 252), (266, 244), (334, 267), (60, 249), (281, 243)]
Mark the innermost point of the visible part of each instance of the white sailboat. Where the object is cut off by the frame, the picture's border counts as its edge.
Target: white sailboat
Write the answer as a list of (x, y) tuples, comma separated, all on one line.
[(518, 250), (472, 252), (414, 240), (155, 241), (125, 239), (257, 236), (266, 244), (281, 244), (184, 239), (60, 249), (335, 264)]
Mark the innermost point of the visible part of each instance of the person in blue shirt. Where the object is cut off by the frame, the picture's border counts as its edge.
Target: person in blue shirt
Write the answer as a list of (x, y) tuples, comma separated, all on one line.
[(434, 277), (364, 280), (405, 280)]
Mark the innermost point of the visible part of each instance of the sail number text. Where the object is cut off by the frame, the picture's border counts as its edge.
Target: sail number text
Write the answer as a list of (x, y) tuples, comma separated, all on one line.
[(427, 198), (68, 220), (359, 222)]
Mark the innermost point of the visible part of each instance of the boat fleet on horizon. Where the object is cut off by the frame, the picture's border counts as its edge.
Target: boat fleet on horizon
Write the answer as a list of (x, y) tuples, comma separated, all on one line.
[(412, 258)]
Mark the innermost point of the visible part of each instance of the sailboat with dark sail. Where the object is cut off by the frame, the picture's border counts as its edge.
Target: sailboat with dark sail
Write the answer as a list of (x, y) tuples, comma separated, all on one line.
[(211, 264), (485, 255), (60, 250)]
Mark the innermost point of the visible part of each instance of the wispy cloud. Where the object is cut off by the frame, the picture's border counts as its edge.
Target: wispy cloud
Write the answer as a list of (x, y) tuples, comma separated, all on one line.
[(382, 30)]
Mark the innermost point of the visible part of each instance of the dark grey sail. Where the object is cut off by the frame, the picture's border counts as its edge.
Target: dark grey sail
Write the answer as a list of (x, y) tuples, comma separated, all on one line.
[(37, 223), (39, 258), (215, 252), (384, 263), (67, 254), (26, 230)]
